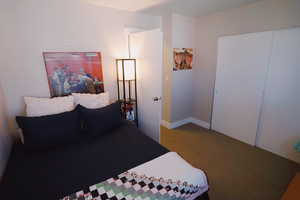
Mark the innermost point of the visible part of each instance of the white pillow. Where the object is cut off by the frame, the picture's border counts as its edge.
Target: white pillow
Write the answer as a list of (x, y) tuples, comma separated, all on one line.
[(36, 107), (92, 101)]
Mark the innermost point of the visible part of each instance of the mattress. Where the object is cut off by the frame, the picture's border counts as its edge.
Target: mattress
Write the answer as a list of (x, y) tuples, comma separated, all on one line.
[(53, 174)]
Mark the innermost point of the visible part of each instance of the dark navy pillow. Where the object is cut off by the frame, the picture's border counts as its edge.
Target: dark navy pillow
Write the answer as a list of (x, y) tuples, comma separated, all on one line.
[(51, 130), (102, 120)]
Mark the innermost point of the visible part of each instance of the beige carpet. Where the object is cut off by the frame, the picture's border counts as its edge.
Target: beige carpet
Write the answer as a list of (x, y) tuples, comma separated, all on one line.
[(236, 171)]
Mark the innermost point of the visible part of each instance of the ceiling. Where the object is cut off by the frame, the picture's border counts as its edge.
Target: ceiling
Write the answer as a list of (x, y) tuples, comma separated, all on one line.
[(185, 7), (129, 5), (196, 8)]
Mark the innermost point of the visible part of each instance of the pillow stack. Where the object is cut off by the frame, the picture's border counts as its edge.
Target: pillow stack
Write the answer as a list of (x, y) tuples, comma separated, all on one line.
[(36, 107), (50, 130), (91, 101), (56, 121), (101, 120)]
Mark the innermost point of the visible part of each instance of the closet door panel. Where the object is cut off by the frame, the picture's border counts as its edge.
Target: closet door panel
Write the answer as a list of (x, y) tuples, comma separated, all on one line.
[(280, 122), (241, 74)]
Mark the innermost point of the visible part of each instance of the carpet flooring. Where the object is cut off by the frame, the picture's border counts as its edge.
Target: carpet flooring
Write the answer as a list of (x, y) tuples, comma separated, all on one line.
[(236, 171)]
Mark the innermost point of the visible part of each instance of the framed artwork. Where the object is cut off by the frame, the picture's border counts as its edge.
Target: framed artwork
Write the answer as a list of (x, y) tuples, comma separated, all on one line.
[(183, 59), (74, 72)]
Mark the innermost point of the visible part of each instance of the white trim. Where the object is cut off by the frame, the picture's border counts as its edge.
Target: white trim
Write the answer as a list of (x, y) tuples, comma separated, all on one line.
[(165, 124), (199, 122), (179, 123), (172, 125)]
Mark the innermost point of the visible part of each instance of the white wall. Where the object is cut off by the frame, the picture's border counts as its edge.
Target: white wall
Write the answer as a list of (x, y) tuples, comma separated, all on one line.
[(5, 140), (183, 36), (6, 31), (34, 26), (167, 65), (256, 17)]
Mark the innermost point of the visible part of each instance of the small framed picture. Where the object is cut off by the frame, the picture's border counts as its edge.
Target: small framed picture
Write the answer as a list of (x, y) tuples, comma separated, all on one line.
[(183, 59)]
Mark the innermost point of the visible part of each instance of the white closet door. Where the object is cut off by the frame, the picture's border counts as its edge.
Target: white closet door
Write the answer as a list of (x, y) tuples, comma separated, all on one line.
[(280, 122), (241, 73)]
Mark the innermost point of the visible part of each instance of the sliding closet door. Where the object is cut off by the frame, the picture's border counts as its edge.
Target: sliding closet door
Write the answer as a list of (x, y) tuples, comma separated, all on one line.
[(280, 123), (241, 73)]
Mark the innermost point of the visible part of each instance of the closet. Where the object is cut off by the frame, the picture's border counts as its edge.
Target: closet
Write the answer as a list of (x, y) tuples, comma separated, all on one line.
[(257, 91)]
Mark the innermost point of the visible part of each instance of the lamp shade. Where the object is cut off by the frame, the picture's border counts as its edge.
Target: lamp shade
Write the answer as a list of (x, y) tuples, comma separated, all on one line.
[(129, 69)]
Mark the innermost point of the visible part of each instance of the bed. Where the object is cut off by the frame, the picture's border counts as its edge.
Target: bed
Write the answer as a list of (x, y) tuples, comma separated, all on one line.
[(55, 173), (77, 147)]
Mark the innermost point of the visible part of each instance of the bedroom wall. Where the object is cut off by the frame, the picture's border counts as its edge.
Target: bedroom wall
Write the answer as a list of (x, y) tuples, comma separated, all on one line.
[(167, 66), (256, 17), (35, 26), (5, 50), (179, 32), (183, 29), (5, 141)]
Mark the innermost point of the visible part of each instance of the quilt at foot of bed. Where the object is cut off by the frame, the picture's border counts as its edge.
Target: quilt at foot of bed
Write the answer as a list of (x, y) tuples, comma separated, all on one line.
[(171, 166), (167, 177)]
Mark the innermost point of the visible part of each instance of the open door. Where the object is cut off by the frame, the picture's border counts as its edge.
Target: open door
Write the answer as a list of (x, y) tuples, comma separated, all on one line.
[(147, 48)]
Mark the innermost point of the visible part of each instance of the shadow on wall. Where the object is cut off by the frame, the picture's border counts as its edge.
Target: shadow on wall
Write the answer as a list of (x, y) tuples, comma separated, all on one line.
[(5, 139)]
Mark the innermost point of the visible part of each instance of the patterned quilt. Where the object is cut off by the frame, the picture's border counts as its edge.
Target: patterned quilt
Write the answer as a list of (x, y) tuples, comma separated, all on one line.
[(130, 186)]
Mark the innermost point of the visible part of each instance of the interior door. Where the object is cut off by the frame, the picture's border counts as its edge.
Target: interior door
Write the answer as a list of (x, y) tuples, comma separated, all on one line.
[(241, 73), (147, 48)]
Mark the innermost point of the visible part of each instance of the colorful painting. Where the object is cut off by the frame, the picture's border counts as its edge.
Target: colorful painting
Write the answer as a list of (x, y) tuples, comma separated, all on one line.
[(70, 72), (183, 59)]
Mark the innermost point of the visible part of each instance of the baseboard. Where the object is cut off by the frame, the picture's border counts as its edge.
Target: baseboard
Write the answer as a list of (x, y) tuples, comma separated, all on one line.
[(165, 124), (172, 125), (200, 122)]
